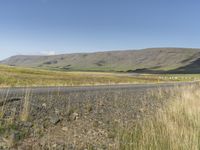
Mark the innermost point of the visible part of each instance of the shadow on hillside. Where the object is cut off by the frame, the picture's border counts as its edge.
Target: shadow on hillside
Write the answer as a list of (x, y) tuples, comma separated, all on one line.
[(192, 68)]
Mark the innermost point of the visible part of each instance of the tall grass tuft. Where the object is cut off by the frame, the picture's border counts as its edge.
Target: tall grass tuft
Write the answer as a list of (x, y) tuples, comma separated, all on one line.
[(175, 127), (26, 107)]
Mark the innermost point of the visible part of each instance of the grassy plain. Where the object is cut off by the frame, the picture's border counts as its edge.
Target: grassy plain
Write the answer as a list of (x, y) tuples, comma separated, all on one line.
[(17, 77), (13, 76)]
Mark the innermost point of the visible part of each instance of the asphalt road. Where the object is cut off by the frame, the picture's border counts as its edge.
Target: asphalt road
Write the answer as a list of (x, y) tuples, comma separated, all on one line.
[(47, 90)]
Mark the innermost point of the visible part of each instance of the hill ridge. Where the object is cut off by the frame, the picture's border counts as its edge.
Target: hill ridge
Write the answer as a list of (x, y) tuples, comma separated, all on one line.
[(164, 59)]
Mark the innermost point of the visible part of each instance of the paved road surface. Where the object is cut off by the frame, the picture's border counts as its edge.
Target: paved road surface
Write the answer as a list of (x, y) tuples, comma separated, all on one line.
[(47, 90)]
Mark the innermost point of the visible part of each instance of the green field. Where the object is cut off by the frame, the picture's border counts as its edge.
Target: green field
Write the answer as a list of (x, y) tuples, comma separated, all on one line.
[(16, 76)]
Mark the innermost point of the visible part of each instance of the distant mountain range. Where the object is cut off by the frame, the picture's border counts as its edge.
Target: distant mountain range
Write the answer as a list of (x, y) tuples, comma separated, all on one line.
[(152, 60)]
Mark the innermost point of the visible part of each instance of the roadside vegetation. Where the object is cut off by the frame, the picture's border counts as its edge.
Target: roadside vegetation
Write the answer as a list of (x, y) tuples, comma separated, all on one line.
[(164, 118), (174, 127), (16, 77)]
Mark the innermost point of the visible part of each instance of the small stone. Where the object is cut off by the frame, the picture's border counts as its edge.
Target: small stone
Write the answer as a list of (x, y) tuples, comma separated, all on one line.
[(141, 110), (65, 128), (75, 116), (57, 111), (44, 105), (14, 109), (60, 147), (54, 145), (54, 119), (28, 124)]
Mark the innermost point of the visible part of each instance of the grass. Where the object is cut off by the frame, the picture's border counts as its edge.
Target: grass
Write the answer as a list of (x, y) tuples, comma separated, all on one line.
[(176, 127), (15, 76), (26, 107)]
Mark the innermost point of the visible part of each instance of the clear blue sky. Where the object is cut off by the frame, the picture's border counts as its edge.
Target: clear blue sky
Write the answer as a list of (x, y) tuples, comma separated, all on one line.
[(68, 26)]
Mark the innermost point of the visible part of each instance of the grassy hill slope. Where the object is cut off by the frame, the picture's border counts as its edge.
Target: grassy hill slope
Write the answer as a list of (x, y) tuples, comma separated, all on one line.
[(164, 59)]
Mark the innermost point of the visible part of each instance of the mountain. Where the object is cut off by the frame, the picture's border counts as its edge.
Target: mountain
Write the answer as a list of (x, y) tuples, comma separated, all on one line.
[(153, 60)]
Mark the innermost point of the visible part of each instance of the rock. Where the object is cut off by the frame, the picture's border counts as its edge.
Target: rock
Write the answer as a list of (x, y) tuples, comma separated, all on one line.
[(57, 111), (14, 109), (141, 110), (44, 105), (54, 119), (74, 116), (27, 124), (58, 146), (54, 145), (65, 128)]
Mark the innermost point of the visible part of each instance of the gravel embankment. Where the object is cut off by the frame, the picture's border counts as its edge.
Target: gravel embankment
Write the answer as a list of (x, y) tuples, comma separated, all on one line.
[(74, 118)]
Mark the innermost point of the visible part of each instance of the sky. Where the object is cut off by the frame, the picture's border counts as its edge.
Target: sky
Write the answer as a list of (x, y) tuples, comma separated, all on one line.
[(48, 27)]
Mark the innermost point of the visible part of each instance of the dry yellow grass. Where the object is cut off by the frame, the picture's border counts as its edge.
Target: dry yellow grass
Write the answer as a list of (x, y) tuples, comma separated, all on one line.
[(26, 107), (15, 76), (175, 127)]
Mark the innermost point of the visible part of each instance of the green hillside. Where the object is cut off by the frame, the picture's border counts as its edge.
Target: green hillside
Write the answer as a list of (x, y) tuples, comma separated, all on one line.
[(154, 59)]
